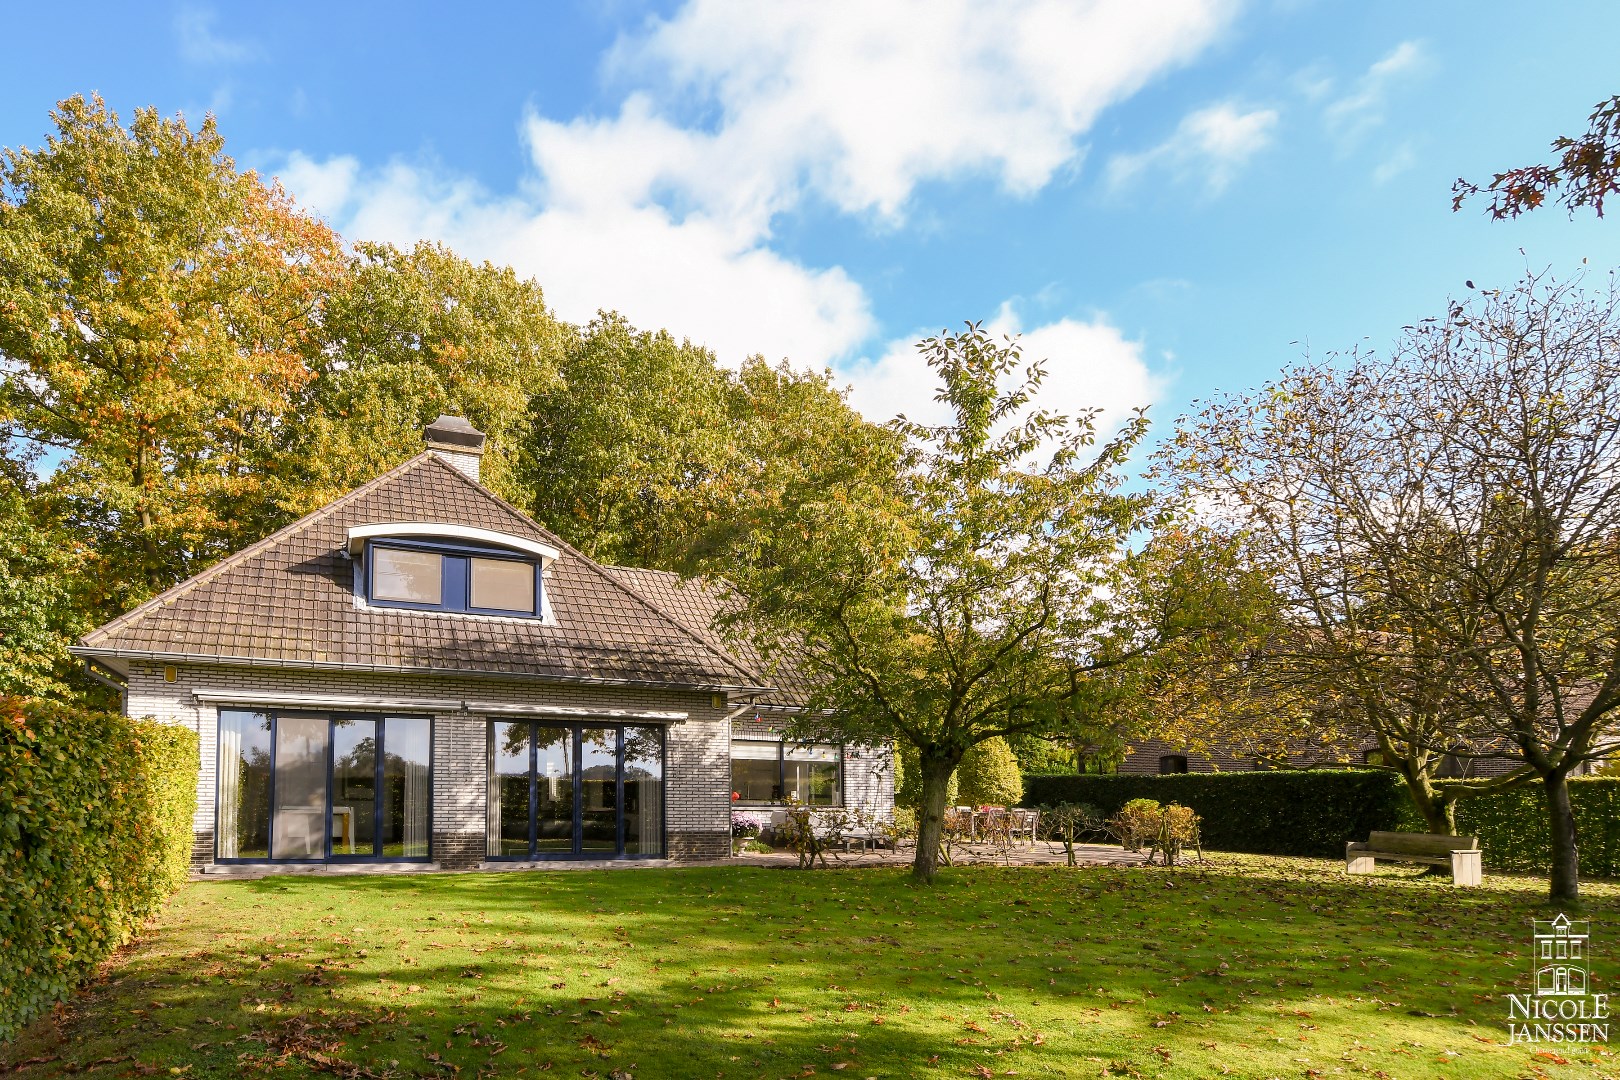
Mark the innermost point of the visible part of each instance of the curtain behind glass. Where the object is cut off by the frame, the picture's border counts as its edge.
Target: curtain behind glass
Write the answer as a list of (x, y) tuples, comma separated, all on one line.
[(406, 746), (243, 796), (643, 791)]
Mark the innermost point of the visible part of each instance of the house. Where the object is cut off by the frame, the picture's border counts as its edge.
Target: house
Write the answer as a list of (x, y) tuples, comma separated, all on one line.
[(418, 672)]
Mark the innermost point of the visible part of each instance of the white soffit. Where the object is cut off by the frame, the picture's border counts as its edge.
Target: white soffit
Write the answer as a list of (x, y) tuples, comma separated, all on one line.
[(359, 534)]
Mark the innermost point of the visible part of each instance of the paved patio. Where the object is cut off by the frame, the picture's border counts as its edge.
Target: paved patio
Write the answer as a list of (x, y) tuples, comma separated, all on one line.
[(1038, 854)]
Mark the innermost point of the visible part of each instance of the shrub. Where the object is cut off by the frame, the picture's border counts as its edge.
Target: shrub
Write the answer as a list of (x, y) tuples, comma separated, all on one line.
[(95, 833), (1512, 826), (1136, 823), (988, 775), (1282, 812)]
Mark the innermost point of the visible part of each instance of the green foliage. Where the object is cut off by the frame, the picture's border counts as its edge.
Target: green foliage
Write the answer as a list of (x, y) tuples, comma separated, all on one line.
[(989, 776), (1282, 812), (1512, 826), (651, 454), (413, 334), (965, 590), (1136, 822), (618, 455), (95, 833), (39, 561)]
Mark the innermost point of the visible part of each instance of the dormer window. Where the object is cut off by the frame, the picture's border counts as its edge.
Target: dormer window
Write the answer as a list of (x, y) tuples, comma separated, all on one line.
[(450, 568)]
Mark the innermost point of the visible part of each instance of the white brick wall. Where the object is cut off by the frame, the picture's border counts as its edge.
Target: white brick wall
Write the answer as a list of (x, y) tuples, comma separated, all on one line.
[(697, 786)]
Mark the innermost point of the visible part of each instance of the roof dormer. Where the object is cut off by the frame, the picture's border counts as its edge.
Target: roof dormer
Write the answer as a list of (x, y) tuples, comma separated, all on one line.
[(432, 566)]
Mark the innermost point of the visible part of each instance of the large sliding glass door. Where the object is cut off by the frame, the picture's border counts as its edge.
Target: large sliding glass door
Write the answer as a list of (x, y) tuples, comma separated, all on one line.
[(575, 791), (302, 787)]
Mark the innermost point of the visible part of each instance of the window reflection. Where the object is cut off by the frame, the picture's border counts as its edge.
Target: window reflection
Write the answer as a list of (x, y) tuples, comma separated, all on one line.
[(414, 577)]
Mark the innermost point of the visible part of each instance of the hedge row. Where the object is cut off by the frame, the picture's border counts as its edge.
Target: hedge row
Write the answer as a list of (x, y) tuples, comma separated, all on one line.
[(95, 832), (1512, 826), (1265, 813)]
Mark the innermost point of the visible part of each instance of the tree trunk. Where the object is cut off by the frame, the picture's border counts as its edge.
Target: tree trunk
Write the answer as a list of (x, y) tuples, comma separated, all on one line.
[(1565, 883), (936, 779), (1439, 814)]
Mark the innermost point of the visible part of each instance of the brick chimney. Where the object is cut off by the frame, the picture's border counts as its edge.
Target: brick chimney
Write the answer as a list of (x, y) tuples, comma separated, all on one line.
[(458, 442)]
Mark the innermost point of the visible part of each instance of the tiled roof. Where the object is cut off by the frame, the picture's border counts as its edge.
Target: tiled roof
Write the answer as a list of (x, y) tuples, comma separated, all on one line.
[(698, 604), (289, 600)]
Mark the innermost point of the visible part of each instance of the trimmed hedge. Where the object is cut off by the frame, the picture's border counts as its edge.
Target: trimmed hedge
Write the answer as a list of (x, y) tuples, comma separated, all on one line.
[(95, 833), (1283, 812), (1512, 826)]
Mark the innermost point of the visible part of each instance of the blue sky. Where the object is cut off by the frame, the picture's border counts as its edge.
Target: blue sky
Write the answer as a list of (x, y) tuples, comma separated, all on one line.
[(1166, 199)]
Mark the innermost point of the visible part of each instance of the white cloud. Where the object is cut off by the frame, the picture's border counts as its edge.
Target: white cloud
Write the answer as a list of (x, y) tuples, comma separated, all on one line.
[(1089, 364), (693, 276), (1401, 160), (1209, 145), (734, 113), (862, 106), (1352, 116), (199, 44)]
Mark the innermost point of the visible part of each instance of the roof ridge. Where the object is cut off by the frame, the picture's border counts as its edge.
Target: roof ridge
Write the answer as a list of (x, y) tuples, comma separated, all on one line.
[(601, 571), (130, 617)]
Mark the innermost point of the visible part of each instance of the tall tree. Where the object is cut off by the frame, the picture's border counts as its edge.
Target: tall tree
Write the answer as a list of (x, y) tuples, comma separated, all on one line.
[(1446, 524), (619, 453), (156, 310), (651, 454), (1585, 173), (965, 596), (406, 336)]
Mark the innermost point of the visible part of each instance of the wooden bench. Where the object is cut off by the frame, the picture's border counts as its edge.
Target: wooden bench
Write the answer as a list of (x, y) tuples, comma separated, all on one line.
[(1461, 853)]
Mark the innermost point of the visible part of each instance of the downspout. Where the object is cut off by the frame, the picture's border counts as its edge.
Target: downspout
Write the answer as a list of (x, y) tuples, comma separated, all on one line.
[(110, 680)]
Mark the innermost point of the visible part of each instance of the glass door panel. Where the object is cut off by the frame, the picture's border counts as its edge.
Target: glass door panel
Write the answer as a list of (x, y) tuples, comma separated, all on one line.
[(244, 785), (406, 787), (599, 790), (510, 757), (554, 790), (299, 828), (354, 787), (643, 791)]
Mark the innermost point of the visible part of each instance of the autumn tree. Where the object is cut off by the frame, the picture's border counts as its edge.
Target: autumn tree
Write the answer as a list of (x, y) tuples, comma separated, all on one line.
[(965, 596), (1585, 172), (156, 312), (1446, 525)]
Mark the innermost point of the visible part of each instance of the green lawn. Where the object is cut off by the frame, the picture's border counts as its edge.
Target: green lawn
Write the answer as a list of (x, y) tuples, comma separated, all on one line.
[(1246, 967)]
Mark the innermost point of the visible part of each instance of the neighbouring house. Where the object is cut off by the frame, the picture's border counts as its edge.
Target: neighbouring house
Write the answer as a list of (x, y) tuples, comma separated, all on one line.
[(418, 672)]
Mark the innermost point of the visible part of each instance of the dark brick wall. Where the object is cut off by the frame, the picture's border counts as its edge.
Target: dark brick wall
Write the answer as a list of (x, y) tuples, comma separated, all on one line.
[(458, 851), (699, 845)]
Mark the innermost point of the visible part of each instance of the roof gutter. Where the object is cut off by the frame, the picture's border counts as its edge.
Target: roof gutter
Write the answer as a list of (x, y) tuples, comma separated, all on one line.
[(90, 652)]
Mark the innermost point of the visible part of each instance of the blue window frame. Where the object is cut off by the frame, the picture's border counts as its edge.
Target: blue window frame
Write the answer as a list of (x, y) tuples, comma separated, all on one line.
[(431, 576), (295, 786)]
